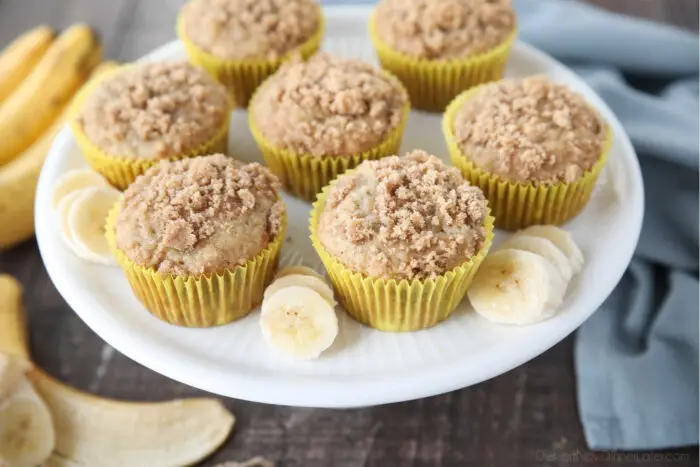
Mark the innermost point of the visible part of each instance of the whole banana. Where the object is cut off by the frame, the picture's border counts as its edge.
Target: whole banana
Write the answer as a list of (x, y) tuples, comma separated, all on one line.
[(92, 431), (39, 100), (18, 179), (19, 58)]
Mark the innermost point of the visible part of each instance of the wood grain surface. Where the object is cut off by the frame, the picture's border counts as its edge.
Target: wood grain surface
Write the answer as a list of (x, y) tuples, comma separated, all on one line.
[(525, 418)]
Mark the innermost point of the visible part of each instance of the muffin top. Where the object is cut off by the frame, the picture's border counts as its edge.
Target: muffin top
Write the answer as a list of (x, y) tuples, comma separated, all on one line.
[(328, 106), (199, 215), (408, 217), (154, 111), (444, 29), (250, 29), (530, 130)]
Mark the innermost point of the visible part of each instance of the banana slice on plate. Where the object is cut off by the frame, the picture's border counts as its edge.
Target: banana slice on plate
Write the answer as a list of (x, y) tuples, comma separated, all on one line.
[(27, 436), (562, 240), (86, 222), (543, 247), (298, 322), (75, 180), (62, 211), (516, 287), (312, 282), (301, 270)]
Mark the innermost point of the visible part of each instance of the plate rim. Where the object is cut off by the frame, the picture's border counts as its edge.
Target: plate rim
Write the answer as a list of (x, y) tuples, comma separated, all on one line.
[(325, 393)]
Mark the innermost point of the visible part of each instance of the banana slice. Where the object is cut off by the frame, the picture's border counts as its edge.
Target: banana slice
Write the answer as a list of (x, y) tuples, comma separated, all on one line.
[(301, 270), (312, 282), (74, 180), (562, 239), (298, 322), (63, 216), (543, 247), (86, 221), (516, 287), (27, 435)]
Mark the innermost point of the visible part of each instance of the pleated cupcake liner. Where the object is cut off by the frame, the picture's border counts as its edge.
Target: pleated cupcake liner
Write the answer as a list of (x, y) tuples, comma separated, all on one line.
[(304, 175), (518, 205), (204, 300), (121, 171), (398, 306), (432, 84), (242, 77)]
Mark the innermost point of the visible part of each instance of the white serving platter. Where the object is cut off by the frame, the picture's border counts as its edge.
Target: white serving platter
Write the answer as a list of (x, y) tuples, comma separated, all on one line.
[(363, 367)]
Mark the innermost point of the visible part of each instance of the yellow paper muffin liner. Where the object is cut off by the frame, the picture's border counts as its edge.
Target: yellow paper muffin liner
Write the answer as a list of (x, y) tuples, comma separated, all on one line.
[(397, 306), (518, 205), (432, 84), (242, 77), (204, 300), (122, 171), (304, 175)]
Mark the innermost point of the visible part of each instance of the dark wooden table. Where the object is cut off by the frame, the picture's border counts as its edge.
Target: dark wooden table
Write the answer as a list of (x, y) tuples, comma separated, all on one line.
[(514, 420)]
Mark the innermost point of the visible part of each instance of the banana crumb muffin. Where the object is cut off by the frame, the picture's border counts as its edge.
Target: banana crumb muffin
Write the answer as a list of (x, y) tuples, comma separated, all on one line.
[(444, 29), (155, 111), (408, 217), (250, 29), (328, 106), (199, 215), (530, 130)]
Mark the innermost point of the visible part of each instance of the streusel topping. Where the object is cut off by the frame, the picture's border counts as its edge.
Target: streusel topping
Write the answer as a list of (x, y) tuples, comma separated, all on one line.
[(199, 215), (444, 29), (250, 29), (154, 111), (329, 106), (530, 130), (408, 217)]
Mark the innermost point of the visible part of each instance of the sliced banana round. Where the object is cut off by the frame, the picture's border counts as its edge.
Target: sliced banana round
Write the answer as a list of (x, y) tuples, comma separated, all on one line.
[(516, 287), (543, 247), (301, 270), (299, 323), (313, 282), (27, 435), (62, 211), (562, 239), (86, 222), (74, 180)]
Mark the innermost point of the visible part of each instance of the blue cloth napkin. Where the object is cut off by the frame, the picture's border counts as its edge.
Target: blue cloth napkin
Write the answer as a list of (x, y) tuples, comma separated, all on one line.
[(637, 357)]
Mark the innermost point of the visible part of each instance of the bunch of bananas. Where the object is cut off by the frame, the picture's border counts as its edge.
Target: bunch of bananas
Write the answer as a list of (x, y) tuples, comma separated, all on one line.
[(40, 73)]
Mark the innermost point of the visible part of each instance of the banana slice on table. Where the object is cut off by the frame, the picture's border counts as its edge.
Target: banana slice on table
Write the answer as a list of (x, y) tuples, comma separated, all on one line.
[(312, 282), (543, 247), (86, 221), (75, 180), (27, 435), (516, 287), (301, 270), (562, 239), (298, 322)]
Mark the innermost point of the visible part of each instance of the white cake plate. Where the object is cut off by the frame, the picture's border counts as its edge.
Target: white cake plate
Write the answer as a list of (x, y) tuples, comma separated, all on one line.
[(363, 367)]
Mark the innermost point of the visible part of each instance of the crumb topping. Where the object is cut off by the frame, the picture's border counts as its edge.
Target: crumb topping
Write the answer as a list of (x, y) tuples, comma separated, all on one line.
[(408, 217), (329, 106), (444, 29), (250, 29), (530, 130), (154, 111), (199, 215)]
